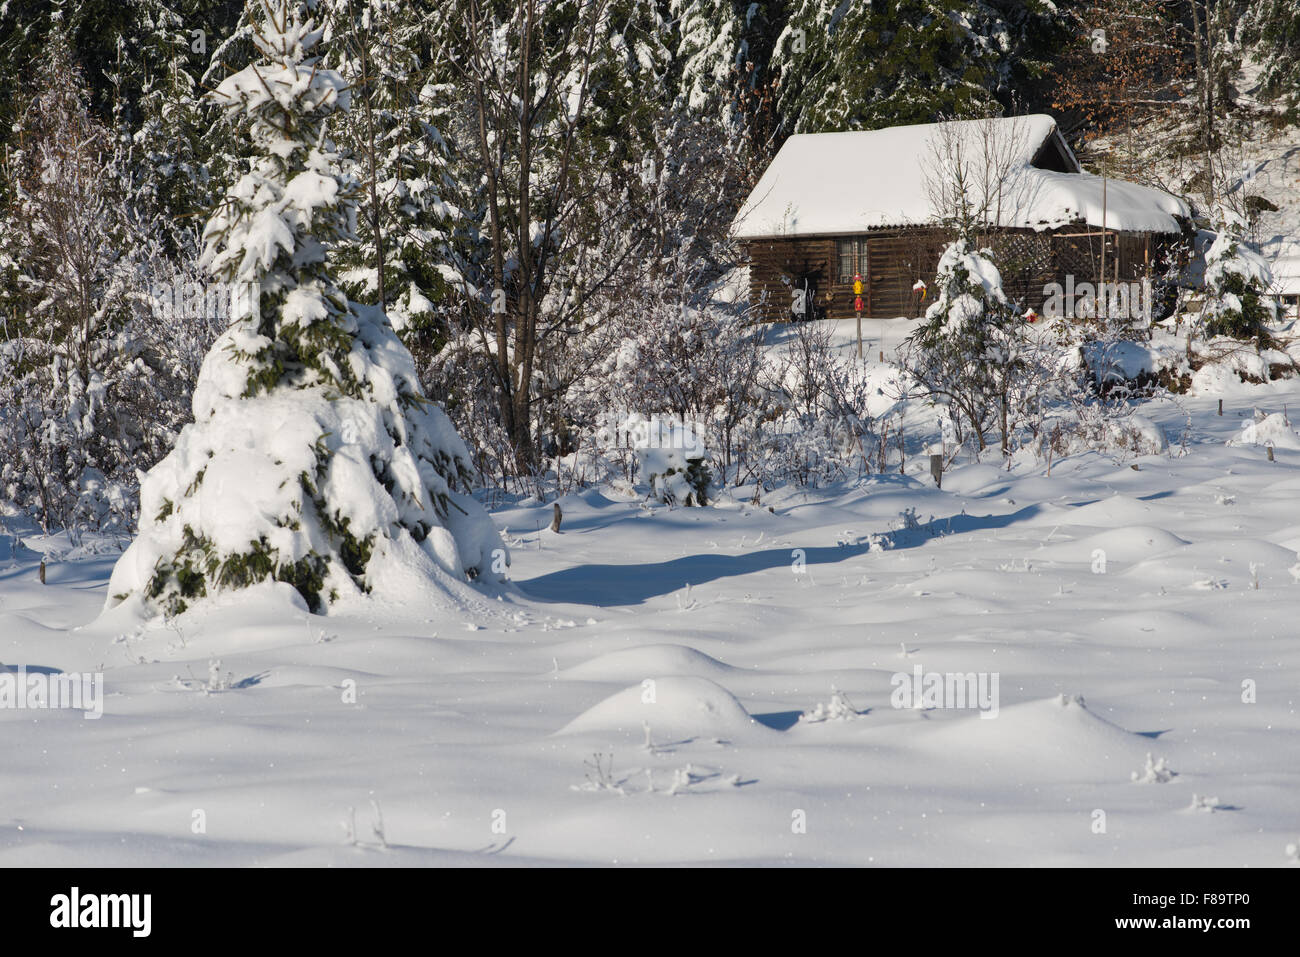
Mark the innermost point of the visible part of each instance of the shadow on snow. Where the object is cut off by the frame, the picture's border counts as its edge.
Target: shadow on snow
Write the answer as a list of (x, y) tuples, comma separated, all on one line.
[(634, 584)]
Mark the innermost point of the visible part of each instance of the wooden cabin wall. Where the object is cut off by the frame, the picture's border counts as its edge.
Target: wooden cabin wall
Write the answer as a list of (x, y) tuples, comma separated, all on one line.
[(774, 265), (896, 260), (1028, 260)]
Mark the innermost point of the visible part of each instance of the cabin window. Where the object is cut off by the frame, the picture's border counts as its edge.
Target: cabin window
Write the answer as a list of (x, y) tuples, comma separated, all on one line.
[(852, 256)]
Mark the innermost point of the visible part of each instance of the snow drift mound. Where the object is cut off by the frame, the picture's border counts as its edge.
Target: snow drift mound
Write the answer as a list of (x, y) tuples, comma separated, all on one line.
[(675, 706), (633, 664), (1218, 562), (1120, 510), (1272, 430), (1117, 545), (1059, 736)]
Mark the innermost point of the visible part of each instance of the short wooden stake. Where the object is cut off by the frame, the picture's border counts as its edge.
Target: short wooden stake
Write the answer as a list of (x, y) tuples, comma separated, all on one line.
[(555, 522), (936, 469)]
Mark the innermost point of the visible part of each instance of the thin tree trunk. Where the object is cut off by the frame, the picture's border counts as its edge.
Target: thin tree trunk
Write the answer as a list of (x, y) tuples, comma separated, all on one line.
[(526, 315), (1204, 93), (373, 178)]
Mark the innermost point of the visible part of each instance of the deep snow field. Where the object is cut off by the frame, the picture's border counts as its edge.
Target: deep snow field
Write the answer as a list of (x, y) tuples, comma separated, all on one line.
[(474, 743)]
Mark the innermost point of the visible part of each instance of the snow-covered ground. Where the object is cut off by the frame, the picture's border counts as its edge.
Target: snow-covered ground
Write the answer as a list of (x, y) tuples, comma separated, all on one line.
[(634, 695)]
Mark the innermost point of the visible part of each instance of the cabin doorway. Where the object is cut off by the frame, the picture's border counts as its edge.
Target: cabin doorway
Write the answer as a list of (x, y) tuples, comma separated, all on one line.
[(806, 300)]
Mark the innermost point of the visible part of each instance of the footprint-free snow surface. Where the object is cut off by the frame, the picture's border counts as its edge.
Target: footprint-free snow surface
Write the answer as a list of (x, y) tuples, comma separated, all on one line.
[(716, 685)]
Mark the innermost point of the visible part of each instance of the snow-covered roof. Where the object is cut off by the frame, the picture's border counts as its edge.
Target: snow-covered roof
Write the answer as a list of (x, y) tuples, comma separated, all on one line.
[(823, 184)]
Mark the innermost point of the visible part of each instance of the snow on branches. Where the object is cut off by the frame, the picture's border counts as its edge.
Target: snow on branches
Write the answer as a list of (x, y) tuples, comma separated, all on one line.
[(1236, 281), (314, 457)]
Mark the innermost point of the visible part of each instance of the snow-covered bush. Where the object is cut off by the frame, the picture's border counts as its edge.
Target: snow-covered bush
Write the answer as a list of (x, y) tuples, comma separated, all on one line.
[(1050, 388), (78, 386), (1265, 429), (686, 358), (838, 708), (1155, 771), (676, 476), (1236, 281), (818, 428), (799, 413), (1096, 425), (313, 458)]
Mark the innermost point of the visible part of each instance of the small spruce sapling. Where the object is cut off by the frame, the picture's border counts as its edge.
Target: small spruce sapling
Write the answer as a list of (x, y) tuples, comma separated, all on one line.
[(1237, 280)]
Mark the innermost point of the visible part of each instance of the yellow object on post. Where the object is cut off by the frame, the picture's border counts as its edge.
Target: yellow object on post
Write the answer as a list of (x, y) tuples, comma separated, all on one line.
[(857, 307)]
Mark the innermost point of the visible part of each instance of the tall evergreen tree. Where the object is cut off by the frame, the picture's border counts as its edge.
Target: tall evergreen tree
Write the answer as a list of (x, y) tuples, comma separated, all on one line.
[(393, 143), (1272, 30), (709, 49), (173, 168), (314, 457), (861, 65)]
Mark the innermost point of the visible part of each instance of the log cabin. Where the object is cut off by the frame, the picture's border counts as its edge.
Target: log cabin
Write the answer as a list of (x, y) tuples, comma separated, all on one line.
[(835, 206)]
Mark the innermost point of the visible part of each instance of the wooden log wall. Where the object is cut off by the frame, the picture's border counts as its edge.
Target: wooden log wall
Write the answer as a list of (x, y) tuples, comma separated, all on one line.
[(776, 265), (1028, 260)]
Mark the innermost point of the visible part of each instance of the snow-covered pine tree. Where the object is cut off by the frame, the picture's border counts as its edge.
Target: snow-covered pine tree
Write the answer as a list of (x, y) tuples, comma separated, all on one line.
[(966, 354), (850, 66), (314, 458), (1236, 279), (1271, 28), (173, 173), (719, 73), (392, 142), (709, 49)]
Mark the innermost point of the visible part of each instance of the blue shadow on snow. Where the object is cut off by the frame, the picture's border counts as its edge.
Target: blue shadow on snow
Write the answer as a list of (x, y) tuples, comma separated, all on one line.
[(605, 585)]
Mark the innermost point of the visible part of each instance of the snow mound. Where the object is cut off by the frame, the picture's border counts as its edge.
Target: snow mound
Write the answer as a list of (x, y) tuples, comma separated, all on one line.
[(1224, 560), (678, 706), (1288, 536), (1272, 430), (406, 578), (634, 664), (1129, 544), (1058, 737), (1231, 369), (1118, 511), (1121, 360)]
